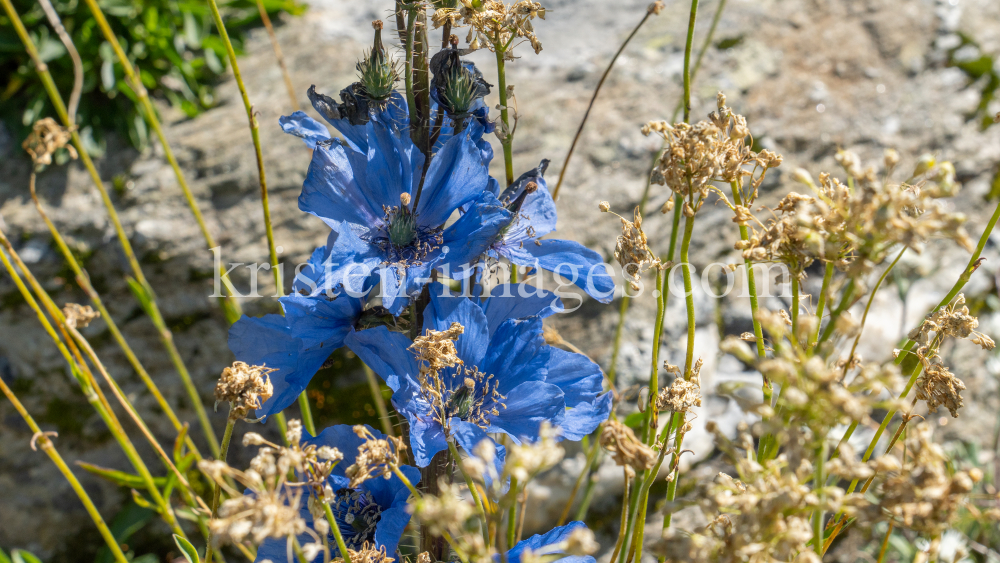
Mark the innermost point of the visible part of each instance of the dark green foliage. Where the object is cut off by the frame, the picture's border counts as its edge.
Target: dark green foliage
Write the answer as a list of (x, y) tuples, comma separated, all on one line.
[(173, 42)]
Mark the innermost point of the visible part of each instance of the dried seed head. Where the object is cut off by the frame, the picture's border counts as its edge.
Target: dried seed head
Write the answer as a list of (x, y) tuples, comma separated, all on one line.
[(632, 250), (625, 448), (938, 386), (526, 460), (435, 349), (604, 206), (368, 554), (265, 514), (45, 139), (681, 396), (581, 541), (404, 199), (376, 457), (244, 387), (79, 316)]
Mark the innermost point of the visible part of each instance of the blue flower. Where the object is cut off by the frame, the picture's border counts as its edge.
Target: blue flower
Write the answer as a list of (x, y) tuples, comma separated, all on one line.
[(534, 216), (296, 344), (580, 379), (539, 542), (384, 228), (500, 388), (375, 512)]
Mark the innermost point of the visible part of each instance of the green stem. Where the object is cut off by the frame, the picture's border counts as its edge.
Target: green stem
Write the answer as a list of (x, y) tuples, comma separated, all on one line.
[(306, 412), (50, 450), (88, 385), (795, 301), (512, 513), (588, 492), (376, 389), (818, 483), (821, 305), (507, 141), (623, 525), (701, 52), (337, 536), (591, 456), (871, 299), (217, 494), (972, 266), (149, 113), (83, 280), (616, 346), (687, 60), (473, 490), (150, 305), (845, 303), (649, 431), (411, 101), (688, 292), (752, 285)]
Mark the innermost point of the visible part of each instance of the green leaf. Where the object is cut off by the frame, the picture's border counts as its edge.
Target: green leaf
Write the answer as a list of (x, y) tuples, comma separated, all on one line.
[(140, 293), (141, 501), (120, 478), (190, 553), (634, 420), (3, 557), (21, 556), (127, 522)]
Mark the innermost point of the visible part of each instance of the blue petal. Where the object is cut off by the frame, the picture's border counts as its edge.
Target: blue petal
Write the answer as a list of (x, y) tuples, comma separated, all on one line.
[(516, 354), (445, 309), (528, 406), (585, 417), (473, 233), (386, 352), (469, 436), (426, 435), (570, 259), (518, 301), (331, 193), (296, 345), (539, 541), (301, 125), (347, 266), (578, 377), (390, 528), (456, 176)]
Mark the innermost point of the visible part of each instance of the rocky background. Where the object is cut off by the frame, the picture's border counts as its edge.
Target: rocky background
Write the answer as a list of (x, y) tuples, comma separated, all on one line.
[(811, 76)]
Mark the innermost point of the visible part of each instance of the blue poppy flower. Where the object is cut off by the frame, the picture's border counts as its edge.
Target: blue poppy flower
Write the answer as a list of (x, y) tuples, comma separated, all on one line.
[(546, 543), (375, 512), (366, 190), (500, 388), (580, 379), (534, 216), (296, 344)]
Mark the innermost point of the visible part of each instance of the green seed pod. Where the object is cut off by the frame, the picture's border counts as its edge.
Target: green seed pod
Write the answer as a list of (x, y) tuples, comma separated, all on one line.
[(377, 73)]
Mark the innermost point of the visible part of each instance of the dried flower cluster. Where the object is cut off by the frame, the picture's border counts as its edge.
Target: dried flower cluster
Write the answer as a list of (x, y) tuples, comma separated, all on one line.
[(682, 395), (528, 459), (494, 24), (448, 515), (47, 137), (855, 227), (79, 316), (244, 387), (376, 457), (632, 248), (625, 448)]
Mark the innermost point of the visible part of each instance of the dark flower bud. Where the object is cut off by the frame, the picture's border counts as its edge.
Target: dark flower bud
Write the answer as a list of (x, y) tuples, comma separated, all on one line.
[(457, 84), (353, 106)]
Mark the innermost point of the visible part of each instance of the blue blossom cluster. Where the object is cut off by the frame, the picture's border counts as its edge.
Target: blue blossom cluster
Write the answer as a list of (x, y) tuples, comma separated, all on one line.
[(407, 229)]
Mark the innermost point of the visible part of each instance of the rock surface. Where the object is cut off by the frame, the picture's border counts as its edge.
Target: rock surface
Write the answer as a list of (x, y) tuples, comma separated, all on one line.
[(810, 76)]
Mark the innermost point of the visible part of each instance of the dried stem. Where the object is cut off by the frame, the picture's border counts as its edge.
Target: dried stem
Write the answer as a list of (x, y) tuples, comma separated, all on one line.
[(42, 439), (276, 46), (590, 106), (74, 55), (140, 284)]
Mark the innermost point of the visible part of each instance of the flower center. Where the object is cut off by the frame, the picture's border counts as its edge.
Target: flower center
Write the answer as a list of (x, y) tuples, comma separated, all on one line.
[(357, 514), (402, 228)]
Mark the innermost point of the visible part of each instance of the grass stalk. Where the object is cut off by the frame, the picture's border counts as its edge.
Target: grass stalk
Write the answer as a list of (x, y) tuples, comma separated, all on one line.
[(148, 297), (42, 439), (593, 98), (83, 280), (821, 304), (149, 113), (89, 387), (591, 456), (276, 47), (380, 407), (217, 493), (687, 60), (649, 428)]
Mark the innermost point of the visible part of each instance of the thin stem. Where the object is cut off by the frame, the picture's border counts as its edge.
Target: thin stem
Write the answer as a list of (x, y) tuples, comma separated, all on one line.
[(591, 456), (845, 303), (871, 299), (588, 492), (688, 293), (622, 527), (74, 55), (752, 284), (217, 494), (593, 98), (149, 113), (337, 536), (616, 346), (687, 60), (83, 280), (409, 485), (512, 513), (649, 428), (276, 46), (42, 439), (821, 305), (795, 302), (701, 52), (472, 489), (818, 482), (149, 305), (376, 389), (508, 139), (411, 102), (885, 544), (88, 385)]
